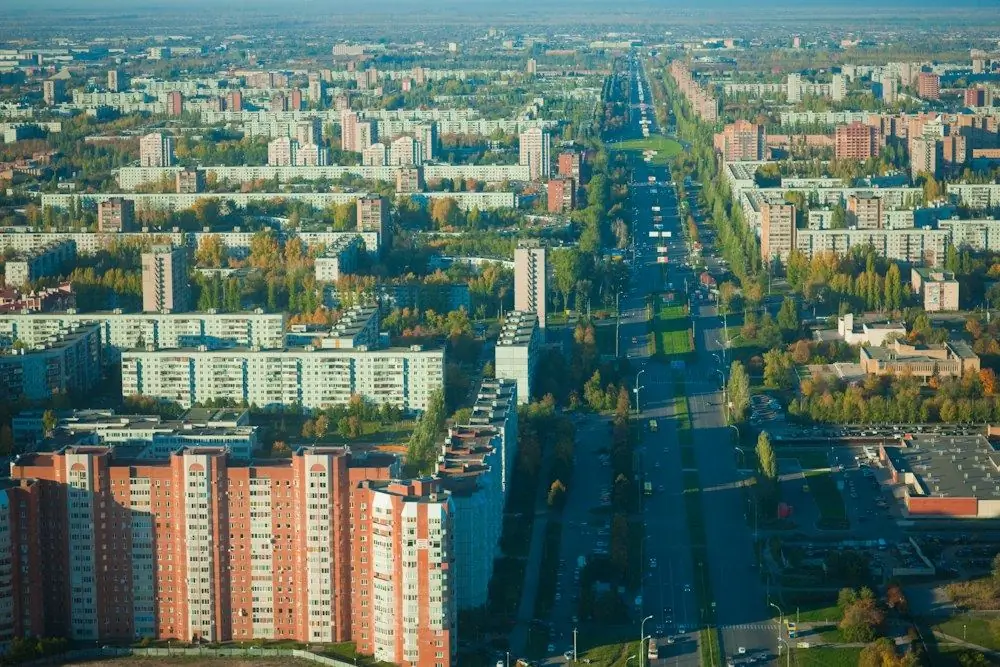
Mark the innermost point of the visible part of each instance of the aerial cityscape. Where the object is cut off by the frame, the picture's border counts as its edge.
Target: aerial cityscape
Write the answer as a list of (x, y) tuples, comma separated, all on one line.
[(500, 334)]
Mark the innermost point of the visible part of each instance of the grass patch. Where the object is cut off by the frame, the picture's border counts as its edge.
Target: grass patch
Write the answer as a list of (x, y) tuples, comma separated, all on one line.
[(665, 147), (671, 330), (977, 630), (819, 614), (822, 656), (604, 335), (807, 458), (833, 514), (708, 646)]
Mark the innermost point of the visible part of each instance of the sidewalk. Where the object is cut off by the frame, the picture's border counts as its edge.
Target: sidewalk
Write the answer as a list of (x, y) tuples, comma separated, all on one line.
[(964, 644), (533, 566)]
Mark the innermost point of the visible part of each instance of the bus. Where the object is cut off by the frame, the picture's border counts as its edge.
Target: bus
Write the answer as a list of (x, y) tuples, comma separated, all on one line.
[(653, 653)]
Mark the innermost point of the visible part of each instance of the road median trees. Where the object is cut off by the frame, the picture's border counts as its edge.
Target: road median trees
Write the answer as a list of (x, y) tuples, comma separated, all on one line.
[(738, 390)]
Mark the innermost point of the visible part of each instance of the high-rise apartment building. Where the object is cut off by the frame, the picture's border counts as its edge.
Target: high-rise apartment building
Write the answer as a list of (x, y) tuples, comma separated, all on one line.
[(573, 164), (926, 156), (838, 87), (857, 141), (403, 582), (777, 231), (175, 103), (375, 155), (427, 135), (928, 86), (53, 91), (281, 152), (118, 81), (190, 181), (373, 215), (309, 132), (976, 96), (889, 88), (744, 140), (409, 179), (535, 153), (561, 195), (165, 280), (156, 150), (116, 215), (404, 152), (864, 211), (295, 100), (517, 351), (317, 90), (234, 100), (200, 550), (278, 103), (531, 279), (793, 88), (312, 155)]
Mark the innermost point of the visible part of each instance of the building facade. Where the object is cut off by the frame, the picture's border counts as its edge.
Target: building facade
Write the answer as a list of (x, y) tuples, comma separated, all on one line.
[(536, 153), (165, 280), (531, 279), (517, 352)]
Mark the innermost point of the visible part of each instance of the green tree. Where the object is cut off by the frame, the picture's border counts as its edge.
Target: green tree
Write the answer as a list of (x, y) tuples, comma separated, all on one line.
[(557, 495), (777, 370), (566, 272), (49, 422), (893, 288), (788, 317), (421, 449), (738, 390), (321, 427), (766, 456)]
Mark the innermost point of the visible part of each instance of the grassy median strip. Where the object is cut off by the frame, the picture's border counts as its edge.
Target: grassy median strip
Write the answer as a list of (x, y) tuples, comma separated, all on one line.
[(670, 329), (711, 653)]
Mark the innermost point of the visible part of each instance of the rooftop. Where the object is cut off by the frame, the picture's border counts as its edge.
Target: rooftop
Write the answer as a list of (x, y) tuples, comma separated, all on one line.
[(962, 466), (518, 328)]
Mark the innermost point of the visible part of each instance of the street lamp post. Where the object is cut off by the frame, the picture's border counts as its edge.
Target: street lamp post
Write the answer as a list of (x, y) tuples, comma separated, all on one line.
[(781, 618), (631, 657), (642, 636), (637, 388)]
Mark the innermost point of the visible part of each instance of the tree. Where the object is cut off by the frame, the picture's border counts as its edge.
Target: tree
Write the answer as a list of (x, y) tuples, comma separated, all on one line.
[(308, 429), (882, 653), (896, 599), (788, 317), (445, 212), (766, 457), (462, 416), (211, 253), (49, 422), (557, 495), (566, 272), (738, 390), (777, 370), (893, 288), (422, 447), (623, 406), (727, 291), (321, 427), (489, 371)]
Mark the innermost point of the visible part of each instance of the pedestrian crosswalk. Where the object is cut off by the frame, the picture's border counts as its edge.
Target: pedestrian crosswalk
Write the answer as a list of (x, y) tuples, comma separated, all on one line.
[(752, 626)]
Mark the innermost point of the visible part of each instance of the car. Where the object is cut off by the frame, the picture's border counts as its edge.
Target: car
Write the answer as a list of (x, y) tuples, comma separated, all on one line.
[(670, 639), (558, 597), (568, 655), (551, 648), (687, 588), (730, 662), (652, 563), (742, 650), (500, 663)]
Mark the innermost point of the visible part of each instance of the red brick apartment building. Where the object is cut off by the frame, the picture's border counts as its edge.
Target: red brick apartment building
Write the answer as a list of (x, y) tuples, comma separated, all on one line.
[(203, 548)]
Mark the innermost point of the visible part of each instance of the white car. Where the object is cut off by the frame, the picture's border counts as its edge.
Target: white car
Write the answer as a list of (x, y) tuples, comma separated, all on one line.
[(742, 650), (652, 563), (687, 588)]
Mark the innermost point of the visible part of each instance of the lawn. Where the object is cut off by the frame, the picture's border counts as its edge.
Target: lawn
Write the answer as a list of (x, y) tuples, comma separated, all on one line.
[(984, 632), (831, 504), (671, 329), (831, 613), (665, 147), (826, 657)]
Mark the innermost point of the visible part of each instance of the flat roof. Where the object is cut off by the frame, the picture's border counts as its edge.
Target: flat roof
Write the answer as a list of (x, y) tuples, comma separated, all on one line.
[(950, 466)]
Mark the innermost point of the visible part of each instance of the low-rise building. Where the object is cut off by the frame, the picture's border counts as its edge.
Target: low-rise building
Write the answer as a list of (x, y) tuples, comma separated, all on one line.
[(945, 478), (517, 351), (938, 289), (951, 359), (868, 333)]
